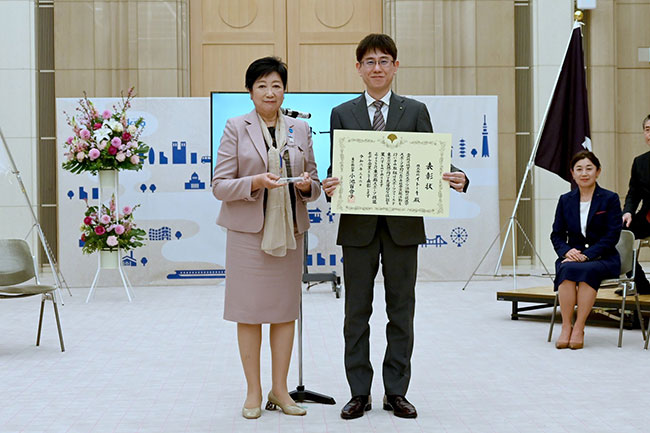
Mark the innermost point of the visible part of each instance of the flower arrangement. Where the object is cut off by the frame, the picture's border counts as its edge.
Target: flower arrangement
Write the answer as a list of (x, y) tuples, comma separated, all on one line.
[(104, 141), (109, 230)]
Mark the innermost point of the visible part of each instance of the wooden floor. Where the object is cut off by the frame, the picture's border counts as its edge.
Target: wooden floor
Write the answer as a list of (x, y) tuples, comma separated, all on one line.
[(543, 297)]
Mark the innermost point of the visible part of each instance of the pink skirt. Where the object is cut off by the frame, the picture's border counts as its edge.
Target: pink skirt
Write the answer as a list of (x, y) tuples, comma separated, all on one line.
[(261, 288)]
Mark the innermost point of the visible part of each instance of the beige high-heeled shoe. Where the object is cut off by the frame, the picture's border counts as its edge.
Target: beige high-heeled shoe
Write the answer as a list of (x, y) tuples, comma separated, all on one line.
[(252, 413), (288, 409), (575, 345)]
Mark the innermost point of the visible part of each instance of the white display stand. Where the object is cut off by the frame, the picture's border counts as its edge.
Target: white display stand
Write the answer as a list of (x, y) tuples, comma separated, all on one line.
[(109, 186)]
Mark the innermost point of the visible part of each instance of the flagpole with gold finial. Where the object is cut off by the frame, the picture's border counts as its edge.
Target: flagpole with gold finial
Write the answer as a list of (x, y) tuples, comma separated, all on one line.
[(578, 15)]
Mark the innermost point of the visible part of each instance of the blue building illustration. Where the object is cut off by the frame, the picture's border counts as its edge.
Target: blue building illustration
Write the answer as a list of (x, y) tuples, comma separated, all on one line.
[(193, 157), (485, 153), (314, 216), (162, 234), (179, 152), (162, 158), (129, 260), (195, 182), (461, 148), (152, 156)]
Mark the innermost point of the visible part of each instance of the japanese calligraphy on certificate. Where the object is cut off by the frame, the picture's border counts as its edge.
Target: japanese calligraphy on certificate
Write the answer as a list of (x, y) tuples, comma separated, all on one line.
[(391, 173)]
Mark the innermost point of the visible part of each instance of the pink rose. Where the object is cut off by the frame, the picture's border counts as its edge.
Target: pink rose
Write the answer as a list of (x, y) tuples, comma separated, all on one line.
[(112, 150), (105, 219), (126, 136), (135, 160), (100, 230), (116, 142), (69, 140), (94, 154), (119, 229), (120, 156), (88, 220), (97, 126), (106, 114), (85, 134), (102, 144), (80, 156), (111, 241), (127, 210)]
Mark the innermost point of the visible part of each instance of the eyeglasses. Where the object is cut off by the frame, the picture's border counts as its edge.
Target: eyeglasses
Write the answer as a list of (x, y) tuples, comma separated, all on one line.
[(370, 63)]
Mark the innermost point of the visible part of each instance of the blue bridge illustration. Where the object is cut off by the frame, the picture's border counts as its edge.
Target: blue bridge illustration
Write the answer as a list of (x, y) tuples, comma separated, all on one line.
[(197, 273)]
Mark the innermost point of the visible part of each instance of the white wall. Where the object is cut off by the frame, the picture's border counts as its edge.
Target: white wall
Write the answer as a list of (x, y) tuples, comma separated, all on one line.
[(552, 22), (17, 113)]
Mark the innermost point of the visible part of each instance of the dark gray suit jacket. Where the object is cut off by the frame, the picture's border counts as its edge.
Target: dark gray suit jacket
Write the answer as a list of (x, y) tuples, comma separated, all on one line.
[(406, 115), (639, 189)]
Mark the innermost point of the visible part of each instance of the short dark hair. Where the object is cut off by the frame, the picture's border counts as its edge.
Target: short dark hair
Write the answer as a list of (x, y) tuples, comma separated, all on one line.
[(377, 42), (647, 118), (585, 154), (263, 67)]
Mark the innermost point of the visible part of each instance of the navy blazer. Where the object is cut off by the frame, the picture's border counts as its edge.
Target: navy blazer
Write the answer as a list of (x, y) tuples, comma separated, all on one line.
[(603, 226)]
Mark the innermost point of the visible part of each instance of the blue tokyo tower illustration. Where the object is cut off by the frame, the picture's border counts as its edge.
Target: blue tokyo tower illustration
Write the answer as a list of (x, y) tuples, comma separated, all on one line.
[(485, 153)]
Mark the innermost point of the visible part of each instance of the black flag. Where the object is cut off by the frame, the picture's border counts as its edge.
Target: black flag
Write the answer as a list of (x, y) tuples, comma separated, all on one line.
[(565, 130)]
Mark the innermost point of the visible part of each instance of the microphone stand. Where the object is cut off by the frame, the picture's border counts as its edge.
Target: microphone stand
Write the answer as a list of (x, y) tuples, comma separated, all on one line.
[(301, 394)]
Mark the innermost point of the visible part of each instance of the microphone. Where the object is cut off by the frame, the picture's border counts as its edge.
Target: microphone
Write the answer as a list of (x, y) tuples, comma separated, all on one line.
[(293, 113)]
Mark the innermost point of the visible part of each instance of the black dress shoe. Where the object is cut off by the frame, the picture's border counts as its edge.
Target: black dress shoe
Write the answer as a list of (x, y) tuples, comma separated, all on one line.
[(356, 407), (400, 406)]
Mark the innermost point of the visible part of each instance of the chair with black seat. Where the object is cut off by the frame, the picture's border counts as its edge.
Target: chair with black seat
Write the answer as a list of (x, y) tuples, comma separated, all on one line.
[(628, 249), (17, 268)]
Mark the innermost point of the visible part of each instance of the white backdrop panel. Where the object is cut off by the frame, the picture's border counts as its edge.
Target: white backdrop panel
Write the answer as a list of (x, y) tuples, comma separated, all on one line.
[(178, 211)]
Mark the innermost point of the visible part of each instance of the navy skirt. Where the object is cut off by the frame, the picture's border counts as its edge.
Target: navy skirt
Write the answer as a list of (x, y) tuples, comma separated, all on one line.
[(592, 272)]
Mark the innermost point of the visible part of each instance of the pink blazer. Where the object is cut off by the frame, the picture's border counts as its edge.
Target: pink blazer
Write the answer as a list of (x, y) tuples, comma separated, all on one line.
[(242, 154)]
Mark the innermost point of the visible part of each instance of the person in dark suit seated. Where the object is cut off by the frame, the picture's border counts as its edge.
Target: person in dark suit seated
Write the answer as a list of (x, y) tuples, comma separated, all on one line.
[(365, 238), (639, 192), (585, 232)]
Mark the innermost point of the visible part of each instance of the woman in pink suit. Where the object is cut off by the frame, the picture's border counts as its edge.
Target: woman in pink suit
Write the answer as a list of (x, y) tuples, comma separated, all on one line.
[(266, 216)]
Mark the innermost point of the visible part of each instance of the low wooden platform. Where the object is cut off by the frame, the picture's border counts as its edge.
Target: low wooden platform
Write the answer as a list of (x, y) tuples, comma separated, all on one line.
[(542, 297)]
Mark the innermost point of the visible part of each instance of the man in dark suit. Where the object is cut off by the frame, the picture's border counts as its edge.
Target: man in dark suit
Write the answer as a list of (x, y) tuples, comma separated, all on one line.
[(639, 192), (365, 238)]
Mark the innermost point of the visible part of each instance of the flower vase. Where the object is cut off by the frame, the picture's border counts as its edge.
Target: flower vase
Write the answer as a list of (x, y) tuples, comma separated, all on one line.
[(107, 179), (109, 259)]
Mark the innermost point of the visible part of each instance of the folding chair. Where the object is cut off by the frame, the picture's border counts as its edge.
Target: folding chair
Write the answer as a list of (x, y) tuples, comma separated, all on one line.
[(628, 249), (16, 267)]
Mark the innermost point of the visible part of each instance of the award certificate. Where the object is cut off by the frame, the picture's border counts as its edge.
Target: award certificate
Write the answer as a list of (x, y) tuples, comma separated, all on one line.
[(391, 173)]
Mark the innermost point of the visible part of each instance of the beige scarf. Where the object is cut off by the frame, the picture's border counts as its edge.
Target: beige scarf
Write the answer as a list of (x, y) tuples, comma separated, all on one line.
[(278, 221)]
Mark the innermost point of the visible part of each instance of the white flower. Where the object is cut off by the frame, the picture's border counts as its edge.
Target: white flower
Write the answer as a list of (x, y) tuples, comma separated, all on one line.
[(102, 145), (80, 156), (103, 133), (131, 129), (115, 125), (120, 156)]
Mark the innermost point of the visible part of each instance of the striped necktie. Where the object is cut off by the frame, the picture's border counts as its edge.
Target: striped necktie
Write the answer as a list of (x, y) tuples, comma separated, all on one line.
[(378, 123)]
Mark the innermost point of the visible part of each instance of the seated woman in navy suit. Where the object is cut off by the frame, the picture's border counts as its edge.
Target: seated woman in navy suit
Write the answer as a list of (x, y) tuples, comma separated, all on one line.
[(585, 232)]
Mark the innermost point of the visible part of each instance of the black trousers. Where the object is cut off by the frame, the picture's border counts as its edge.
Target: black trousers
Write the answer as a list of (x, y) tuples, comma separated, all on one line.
[(641, 229), (399, 268)]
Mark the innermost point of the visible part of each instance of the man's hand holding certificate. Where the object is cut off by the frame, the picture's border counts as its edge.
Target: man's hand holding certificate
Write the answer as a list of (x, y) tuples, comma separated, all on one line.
[(391, 173)]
